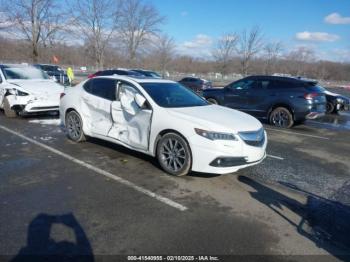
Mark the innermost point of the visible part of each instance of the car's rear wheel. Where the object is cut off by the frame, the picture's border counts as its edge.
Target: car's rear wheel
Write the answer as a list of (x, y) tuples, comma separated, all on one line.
[(74, 126), (7, 109), (174, 154), (281, 117), (212, 101), (330, 108)]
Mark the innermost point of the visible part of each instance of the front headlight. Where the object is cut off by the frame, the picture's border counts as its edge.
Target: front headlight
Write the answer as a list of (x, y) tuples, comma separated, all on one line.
[(340, 100), (16, 92), (20, 93), (215, 135)]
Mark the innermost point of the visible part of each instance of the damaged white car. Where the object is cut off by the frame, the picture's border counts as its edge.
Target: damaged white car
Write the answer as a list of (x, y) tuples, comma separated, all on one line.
[(25, 90), (164, 119)]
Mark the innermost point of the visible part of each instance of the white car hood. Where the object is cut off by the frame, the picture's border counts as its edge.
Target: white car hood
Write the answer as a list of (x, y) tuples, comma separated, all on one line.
[(217, 118), (38, 87), (331, 93)]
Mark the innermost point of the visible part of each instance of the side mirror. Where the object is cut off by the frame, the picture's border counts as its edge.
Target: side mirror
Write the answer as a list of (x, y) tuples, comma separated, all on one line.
[(140, 100)]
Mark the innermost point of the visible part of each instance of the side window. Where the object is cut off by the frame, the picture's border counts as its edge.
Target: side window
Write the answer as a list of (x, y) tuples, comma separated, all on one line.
[(87, 86), (264, 84), (0, 79), (242, 85), (279, 84), (104, 88)]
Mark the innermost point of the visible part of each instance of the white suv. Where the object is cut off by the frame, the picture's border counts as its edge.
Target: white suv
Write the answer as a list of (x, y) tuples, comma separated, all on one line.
[(164, 119)]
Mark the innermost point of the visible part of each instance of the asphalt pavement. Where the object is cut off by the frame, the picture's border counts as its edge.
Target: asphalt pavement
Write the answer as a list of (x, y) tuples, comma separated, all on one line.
[(99, 199)]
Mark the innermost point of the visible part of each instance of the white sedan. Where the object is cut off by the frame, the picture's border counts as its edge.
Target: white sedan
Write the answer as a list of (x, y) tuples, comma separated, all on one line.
[(164, 119), (25, 89)]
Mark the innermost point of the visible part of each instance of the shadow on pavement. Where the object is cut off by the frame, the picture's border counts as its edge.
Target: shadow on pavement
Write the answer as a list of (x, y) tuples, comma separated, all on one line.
[(323, 221), (41, 247)]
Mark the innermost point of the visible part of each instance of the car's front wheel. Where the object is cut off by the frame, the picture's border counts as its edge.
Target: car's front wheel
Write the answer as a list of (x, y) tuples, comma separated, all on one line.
[(74, 126), (281, 117), (174, 154)]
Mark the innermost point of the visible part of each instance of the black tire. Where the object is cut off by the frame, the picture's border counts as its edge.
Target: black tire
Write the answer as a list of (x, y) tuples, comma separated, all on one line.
[(213, 101), (174, 154), (330, 108), (7, 109), (281, 117), (74, 126)]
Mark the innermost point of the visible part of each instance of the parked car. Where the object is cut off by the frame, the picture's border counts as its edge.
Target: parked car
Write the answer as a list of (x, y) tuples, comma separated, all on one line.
[(27, 89), (110, 72), (164, 119), (54, 71), (147, 73), (283, 101), (336, 102), (196, 84)]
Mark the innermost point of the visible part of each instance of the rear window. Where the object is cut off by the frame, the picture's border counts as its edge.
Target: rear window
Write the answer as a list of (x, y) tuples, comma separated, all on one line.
[(316, 88), (281, 84)]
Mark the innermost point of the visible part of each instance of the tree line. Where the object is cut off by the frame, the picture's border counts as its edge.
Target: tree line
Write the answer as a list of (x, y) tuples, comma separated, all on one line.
[(126, 33)]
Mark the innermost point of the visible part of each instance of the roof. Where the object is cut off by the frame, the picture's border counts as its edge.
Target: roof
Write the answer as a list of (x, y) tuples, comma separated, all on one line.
[(15, 65), (46, 65), (283, 78), (138, 79)]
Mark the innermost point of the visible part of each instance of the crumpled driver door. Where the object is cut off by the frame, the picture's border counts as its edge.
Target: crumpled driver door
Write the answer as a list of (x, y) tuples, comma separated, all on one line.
[(131, 123)]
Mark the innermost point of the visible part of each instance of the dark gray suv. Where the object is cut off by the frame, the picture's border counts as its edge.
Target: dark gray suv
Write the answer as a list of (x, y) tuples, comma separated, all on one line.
[(283, 101)]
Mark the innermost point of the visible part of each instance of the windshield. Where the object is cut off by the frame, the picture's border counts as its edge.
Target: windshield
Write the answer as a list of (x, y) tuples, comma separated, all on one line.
[(152, 74), (173, 95), (30, 72)]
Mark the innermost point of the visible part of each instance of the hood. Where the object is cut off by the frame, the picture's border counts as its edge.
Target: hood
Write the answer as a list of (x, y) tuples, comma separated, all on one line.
[(336, 95), (331, 93), (38, 87), (218, 118)]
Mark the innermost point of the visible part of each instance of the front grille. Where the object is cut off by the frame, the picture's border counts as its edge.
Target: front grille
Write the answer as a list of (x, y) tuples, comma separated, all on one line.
[(45, 108), (253, 138)]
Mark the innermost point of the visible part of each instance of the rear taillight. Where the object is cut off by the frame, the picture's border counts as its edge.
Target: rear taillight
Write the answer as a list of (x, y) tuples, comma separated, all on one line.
[(91, 76), (62, 95), (310, 96)]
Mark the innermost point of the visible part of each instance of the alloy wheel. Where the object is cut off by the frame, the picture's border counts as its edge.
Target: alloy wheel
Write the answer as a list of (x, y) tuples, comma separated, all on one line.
[(173, 154), (74, 126), (281, 117)]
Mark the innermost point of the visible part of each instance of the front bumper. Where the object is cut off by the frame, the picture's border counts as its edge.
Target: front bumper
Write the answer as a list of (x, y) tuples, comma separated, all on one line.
[(342, 106), (205, 152), (28, 104)]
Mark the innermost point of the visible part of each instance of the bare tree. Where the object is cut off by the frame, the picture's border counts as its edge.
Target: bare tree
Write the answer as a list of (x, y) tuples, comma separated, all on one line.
[(224, 52), (163, 51), (300, 60), (4, 23), (33, 20), (95, 22), (139, 22), (249, 45), (272, 53)]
